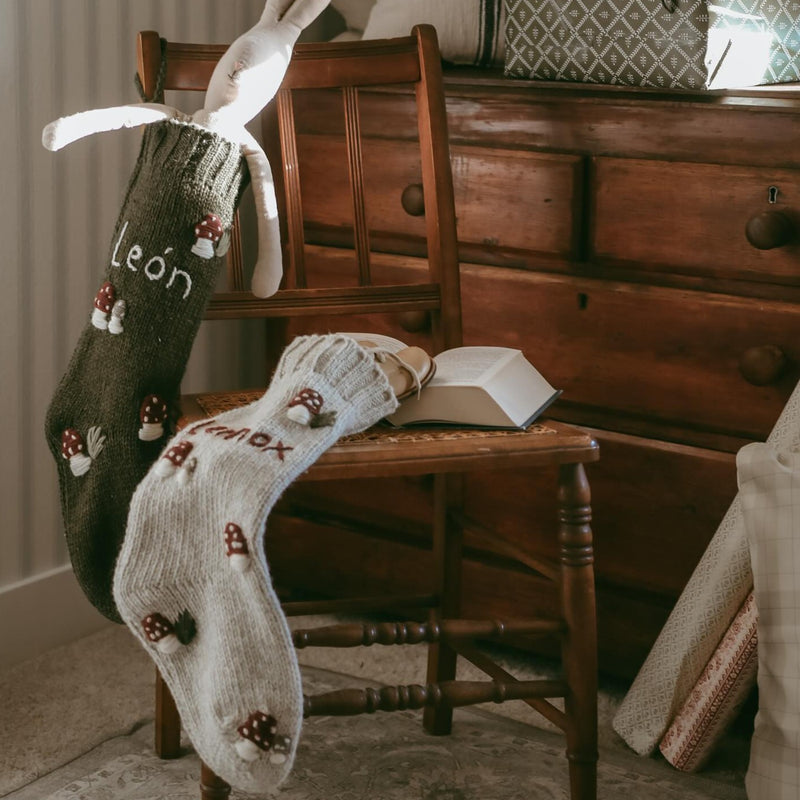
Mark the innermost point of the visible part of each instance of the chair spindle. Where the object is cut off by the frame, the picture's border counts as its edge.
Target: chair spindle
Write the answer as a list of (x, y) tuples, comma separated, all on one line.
[(355, 163), (388, 633), (452, 694), (291, 178)]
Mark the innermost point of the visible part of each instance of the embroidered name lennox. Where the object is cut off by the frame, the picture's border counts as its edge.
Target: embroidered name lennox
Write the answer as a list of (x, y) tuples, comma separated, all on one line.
[(155, 268), (261, 441)]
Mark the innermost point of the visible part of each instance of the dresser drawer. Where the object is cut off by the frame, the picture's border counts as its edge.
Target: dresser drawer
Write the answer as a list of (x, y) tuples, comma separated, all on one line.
[(505, 199), (649, 359), (691, 218)]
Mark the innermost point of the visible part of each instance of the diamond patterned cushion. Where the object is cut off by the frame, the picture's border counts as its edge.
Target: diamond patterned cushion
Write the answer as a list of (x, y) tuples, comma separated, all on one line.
[(630, 42), (671, 44)]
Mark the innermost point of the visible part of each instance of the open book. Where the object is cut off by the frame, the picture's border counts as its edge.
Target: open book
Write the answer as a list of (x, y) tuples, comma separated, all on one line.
[(491, 387)]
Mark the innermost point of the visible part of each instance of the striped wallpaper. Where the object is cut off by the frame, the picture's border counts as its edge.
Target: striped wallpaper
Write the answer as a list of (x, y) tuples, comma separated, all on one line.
[(57, 212)]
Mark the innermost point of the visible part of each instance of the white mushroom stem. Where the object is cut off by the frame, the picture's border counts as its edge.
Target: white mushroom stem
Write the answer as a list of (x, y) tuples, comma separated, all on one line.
[(165, 467), (239, 562), (203, 248), (300, 414), (150, 431), (168, 645), (99, 319), (79, 464), (248, 750)]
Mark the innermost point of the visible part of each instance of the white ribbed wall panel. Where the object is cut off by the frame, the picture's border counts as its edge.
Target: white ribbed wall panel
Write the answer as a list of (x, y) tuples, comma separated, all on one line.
[(57, 213)]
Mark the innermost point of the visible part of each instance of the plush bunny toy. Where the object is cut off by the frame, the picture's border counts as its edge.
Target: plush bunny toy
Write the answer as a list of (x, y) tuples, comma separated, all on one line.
[(110, 416), (245, 79)]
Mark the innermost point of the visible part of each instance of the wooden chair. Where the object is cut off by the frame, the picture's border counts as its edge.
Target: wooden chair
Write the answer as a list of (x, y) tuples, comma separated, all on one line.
[(412, 289)]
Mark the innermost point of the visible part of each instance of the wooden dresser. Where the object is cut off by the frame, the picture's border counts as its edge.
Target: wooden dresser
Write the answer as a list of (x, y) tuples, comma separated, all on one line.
[(602, 232)]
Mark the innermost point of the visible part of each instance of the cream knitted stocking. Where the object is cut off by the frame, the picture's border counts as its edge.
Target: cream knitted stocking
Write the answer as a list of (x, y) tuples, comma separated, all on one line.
[(192, 581)]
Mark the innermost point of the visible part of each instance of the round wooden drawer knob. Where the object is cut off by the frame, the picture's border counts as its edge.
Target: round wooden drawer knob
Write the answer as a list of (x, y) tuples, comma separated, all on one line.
[(762, 365), (415, 321), (413, 200), (769, 229)]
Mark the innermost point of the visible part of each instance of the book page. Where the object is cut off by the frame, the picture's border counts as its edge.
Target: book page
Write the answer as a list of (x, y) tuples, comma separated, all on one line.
[(470, 365), (494, 387)]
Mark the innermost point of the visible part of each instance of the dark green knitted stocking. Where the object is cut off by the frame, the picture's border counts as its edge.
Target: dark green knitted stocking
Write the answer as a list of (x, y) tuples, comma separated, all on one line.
[(111, 414)]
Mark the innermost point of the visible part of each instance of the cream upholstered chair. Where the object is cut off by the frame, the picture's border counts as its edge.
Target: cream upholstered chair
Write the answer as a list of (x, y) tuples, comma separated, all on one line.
[(322, 286)]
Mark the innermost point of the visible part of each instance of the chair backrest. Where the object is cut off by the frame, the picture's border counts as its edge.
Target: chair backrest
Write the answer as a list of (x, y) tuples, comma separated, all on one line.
[(353, 285)]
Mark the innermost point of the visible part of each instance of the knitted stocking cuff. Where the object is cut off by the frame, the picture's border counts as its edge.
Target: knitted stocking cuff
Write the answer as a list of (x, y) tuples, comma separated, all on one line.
[(331, 381)]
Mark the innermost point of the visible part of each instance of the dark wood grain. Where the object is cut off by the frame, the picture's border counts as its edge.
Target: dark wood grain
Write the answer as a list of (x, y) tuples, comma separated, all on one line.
[(168, 722)]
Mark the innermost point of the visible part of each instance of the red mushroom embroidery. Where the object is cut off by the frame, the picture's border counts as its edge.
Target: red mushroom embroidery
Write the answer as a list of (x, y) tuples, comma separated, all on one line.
[(103, 303), (258, 734), (236, 548), (304, 406), (80, 454), (161, 632), (152, 415), (208, 232), (117, 315), (176, 458)]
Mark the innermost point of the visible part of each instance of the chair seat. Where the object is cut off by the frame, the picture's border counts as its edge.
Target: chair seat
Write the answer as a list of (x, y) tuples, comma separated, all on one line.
[(386, 451)]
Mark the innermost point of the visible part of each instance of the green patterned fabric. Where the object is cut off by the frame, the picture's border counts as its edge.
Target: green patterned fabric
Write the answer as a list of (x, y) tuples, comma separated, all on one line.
[(110, 416), (671, 44)]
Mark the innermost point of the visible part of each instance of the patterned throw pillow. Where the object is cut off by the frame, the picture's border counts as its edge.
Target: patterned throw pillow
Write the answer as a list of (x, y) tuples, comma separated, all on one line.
[(769, 485), (469, 31), (634, 43), (670, 44)]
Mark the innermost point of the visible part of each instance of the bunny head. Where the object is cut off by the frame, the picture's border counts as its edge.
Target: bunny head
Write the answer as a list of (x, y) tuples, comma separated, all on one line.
[(248, 75)]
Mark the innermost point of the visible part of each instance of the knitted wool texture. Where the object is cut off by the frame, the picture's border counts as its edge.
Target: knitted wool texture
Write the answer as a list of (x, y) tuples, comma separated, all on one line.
[(110, 416), (192, 581)]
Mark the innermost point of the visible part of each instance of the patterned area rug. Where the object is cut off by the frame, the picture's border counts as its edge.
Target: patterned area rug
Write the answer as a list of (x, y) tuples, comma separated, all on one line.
[(382, 757)]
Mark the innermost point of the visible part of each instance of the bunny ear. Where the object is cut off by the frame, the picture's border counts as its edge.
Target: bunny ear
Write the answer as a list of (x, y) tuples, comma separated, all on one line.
[(66, 130), (273, 11), (302, 12)]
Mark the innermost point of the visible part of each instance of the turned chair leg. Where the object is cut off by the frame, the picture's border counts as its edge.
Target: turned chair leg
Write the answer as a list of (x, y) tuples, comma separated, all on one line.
[(212, 787), (168, 722), (579, 645), (447, 549)]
